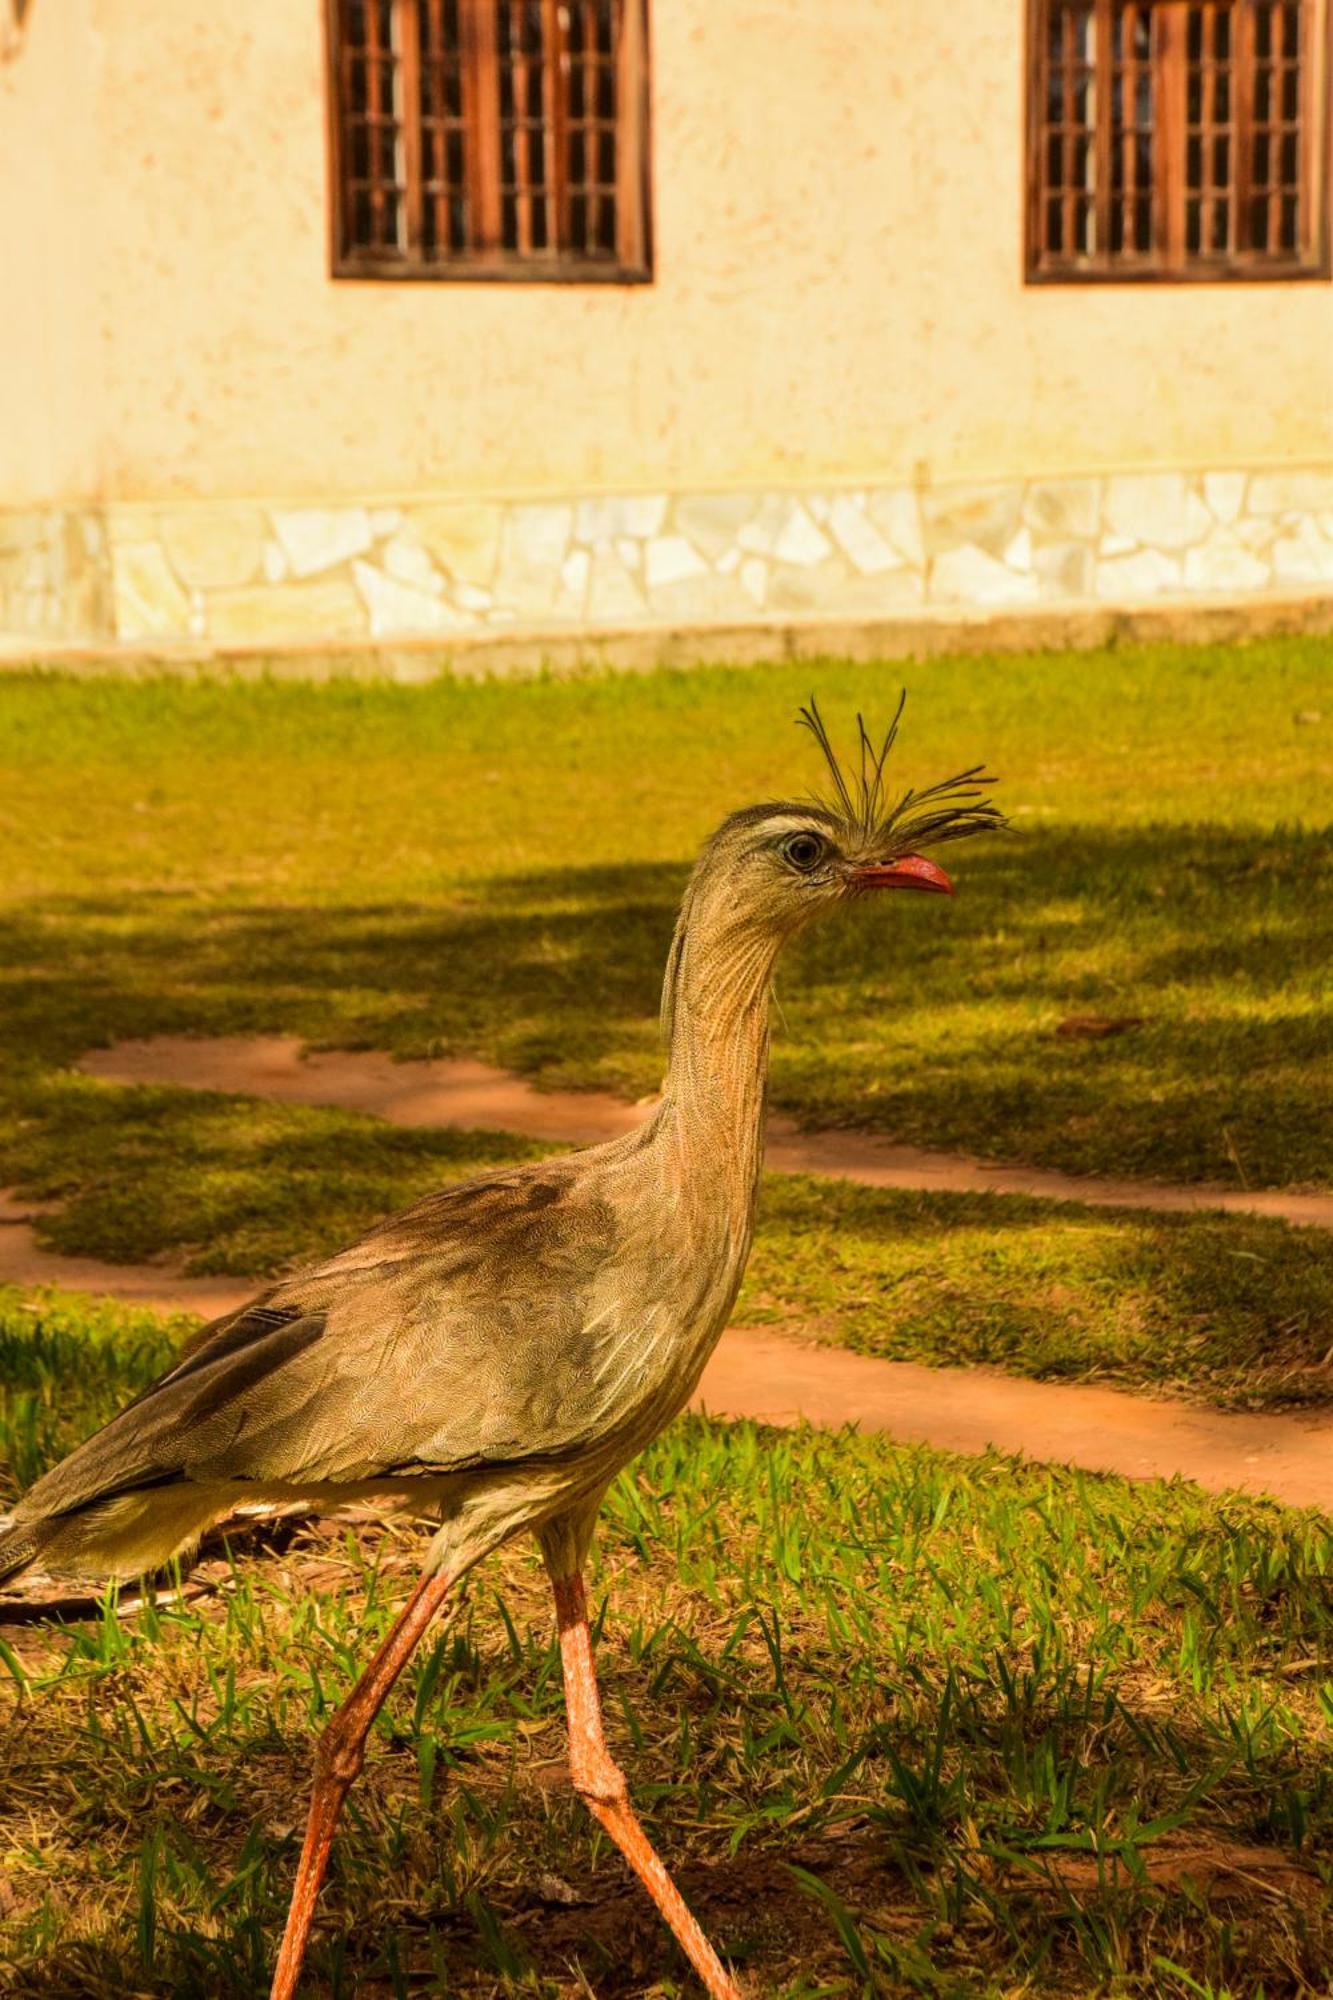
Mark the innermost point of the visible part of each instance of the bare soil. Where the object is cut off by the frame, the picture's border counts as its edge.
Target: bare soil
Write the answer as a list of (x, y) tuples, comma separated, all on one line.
[(464, 1093)]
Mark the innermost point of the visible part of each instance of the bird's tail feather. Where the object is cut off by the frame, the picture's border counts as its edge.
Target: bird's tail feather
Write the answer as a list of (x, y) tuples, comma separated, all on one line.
[(20, 1546), (124, 1537)]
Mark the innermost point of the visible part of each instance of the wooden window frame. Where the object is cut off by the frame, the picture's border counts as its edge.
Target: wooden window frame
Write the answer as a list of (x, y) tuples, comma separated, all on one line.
[(1313, 261), (632, 263)]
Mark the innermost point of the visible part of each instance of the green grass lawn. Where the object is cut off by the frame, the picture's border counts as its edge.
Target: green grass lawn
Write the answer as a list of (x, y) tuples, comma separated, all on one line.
[(905, 1725), (494, 869)]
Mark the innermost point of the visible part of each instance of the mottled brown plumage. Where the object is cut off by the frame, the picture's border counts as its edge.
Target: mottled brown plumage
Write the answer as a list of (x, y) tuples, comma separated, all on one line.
[(494, 1355)]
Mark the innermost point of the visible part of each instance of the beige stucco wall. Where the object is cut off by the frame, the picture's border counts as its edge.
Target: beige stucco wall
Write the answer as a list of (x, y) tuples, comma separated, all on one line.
[(838, 292), (50, 417)]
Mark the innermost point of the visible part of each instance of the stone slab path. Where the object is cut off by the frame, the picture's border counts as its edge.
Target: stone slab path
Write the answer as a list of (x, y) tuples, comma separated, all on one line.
[(780, 1380), (472, 1094)]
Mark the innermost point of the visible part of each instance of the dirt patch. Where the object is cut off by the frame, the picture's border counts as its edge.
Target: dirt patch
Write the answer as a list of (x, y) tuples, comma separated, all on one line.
[(23, 1262), (778, 1380), (464, 1093)]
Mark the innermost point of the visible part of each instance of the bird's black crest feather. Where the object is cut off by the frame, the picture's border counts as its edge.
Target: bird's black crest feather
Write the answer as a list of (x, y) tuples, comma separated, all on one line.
[(951, 810)]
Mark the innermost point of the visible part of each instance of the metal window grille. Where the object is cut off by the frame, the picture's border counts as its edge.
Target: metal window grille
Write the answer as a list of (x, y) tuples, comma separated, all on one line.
[(1178, 139), (489, 138)]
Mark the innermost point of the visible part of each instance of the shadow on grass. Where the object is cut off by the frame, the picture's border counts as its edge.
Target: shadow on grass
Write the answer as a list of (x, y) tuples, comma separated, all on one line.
[(221, 1184), (934, 1024), (1236, 1309)]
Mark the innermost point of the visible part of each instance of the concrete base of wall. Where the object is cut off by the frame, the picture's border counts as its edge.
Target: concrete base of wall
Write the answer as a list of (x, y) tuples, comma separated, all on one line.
[(927, 635)]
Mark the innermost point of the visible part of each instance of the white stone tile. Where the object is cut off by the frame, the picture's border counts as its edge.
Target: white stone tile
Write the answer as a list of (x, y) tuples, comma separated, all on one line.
[(149, 602), (396, 609), (754, 579), (213, 548), (574, 571), (896, 512), (808, 587), (463, 536), (670, 559), (1225, 564), (1224, 493), (1067, 509), (614, 594), (533, 544), (538, 534), (1156, 508), (316, 538), (759, 535), (470, 597), (645, 514), (709, 599), (406, 561), (728, 561), (629, 551), (1305, 556), (1018, 555), (275, 562), (1116, 545), (385, 520), (1290, 492), (968, 575), (712, 521), (326, 608), (985, 517), (1144, 574), (859, 539), (610, 515), (1063, 569), (801, 542)]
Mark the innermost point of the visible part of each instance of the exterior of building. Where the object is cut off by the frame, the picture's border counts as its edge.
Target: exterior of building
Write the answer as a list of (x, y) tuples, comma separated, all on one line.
[(463, 319)]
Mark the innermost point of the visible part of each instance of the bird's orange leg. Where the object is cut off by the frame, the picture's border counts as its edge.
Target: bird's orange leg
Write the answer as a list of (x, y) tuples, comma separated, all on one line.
[(601, 1785), (339, 1755)]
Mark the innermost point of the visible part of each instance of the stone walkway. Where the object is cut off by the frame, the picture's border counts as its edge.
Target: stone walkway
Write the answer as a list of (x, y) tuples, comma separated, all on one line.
[(465, 1093)]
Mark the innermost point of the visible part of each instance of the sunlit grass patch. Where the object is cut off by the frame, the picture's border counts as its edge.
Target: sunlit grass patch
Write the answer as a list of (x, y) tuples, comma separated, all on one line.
[(1014, 1729), (494, 870)]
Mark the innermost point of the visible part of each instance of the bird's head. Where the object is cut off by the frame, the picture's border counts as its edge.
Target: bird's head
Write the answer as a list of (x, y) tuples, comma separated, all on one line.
[(787, 861), (770, 869)]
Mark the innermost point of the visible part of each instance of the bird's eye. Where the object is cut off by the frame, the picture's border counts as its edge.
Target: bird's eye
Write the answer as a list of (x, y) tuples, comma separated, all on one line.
[(804, 851)]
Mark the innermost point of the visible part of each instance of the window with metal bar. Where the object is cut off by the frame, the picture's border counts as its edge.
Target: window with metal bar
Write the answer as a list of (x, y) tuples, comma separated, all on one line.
[(489, 138), (1178, 139)]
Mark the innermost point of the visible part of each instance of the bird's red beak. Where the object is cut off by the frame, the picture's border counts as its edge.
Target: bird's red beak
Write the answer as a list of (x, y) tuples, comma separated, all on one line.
[(913, 871)]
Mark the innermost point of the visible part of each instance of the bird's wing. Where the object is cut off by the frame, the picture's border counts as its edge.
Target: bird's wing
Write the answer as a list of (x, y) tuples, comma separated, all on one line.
[(461, 1332)]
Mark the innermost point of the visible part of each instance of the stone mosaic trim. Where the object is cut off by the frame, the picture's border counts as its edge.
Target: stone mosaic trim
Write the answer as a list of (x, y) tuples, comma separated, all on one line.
[(239, 574)]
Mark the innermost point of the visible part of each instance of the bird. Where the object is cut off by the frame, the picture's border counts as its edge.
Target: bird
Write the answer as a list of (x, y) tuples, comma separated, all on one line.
[(492, 1357)]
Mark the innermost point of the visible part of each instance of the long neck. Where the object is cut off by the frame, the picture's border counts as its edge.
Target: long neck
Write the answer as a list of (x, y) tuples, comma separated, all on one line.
[(717, 1007)]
